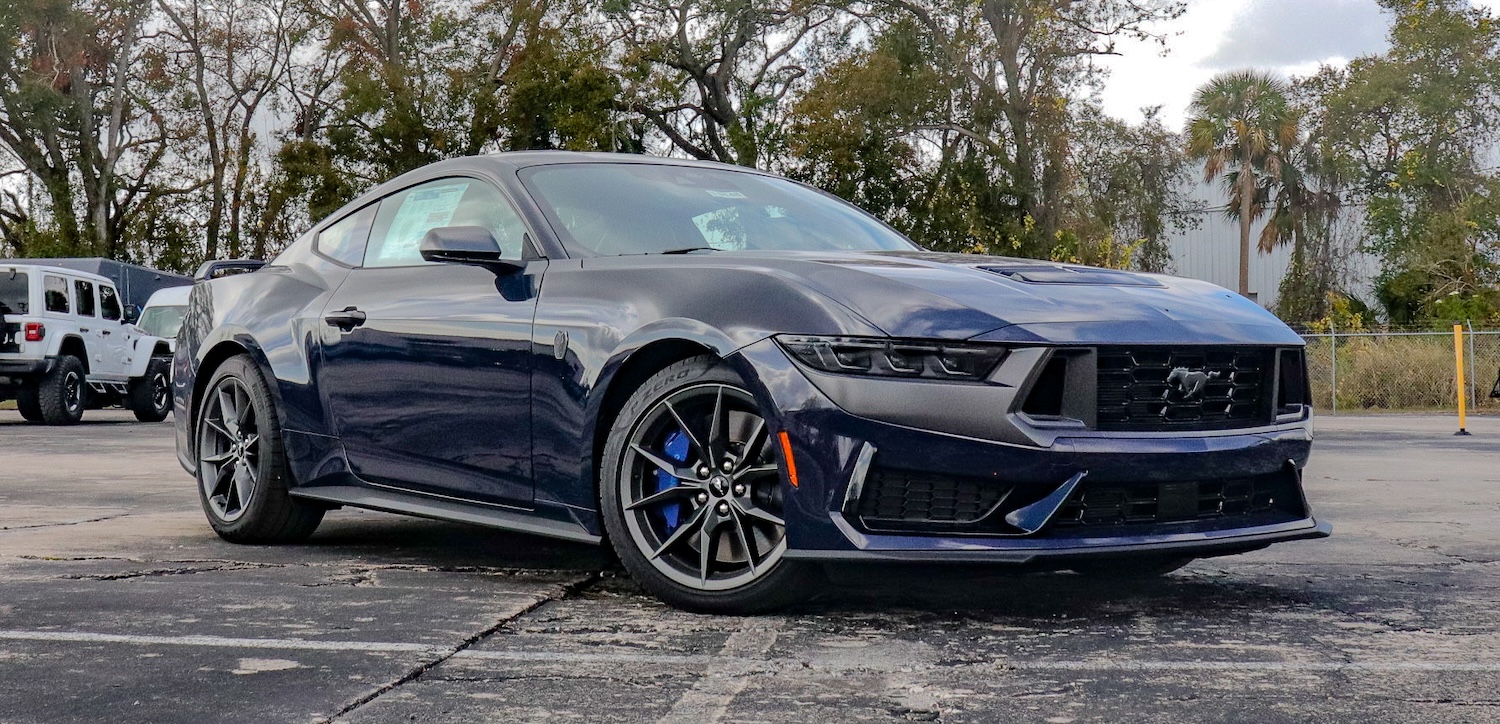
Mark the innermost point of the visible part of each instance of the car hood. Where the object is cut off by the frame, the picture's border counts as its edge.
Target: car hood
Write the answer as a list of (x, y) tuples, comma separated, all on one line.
[(961, 296)]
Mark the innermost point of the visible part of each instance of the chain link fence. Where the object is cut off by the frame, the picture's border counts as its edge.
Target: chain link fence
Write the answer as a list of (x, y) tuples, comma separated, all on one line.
[(1401, 371)]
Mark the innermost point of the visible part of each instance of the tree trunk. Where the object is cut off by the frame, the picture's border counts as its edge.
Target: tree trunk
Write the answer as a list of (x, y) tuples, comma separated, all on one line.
[(1247, 202)]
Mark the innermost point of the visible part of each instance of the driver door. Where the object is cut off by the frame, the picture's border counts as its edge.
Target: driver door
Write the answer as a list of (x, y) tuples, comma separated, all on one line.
[(427, 367)]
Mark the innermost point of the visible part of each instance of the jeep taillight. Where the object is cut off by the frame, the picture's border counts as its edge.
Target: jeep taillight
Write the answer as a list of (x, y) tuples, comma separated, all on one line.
[(35, 331)]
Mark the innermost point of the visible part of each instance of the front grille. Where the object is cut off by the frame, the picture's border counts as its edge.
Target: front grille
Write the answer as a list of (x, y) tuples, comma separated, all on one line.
[(1177, 502), (895, 499), (1151, 389)]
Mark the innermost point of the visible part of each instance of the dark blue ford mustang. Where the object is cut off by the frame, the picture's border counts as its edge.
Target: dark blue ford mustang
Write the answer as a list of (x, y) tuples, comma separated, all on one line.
[(732, 378)]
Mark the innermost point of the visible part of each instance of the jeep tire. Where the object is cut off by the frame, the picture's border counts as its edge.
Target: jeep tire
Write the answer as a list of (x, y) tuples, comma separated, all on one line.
[(150, 395), (62, 393)]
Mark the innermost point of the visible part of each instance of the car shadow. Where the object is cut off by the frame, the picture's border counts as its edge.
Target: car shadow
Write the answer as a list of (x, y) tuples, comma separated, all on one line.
[(380, 538), (1018, 593)]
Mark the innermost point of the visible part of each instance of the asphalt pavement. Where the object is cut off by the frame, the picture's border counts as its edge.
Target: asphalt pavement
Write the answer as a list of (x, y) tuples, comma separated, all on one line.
[(118, 604)]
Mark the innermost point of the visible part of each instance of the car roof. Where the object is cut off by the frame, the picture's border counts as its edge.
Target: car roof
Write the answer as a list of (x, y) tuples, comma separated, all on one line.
[(525, 159), (88, 276), (170, 296)]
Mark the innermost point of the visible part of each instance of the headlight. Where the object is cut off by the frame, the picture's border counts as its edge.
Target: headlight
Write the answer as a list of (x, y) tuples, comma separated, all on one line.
[(882, 357)]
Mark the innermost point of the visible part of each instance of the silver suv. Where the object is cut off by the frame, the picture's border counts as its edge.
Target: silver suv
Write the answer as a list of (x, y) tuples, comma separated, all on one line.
[(68, 344)]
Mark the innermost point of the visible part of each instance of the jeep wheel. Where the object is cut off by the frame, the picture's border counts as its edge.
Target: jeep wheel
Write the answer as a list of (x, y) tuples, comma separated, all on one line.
[(27, 402), (150, 397), (62, 393)]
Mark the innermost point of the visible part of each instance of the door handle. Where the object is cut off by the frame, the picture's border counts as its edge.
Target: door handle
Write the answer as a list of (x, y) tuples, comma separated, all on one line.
[(104, 332), (347, 319)]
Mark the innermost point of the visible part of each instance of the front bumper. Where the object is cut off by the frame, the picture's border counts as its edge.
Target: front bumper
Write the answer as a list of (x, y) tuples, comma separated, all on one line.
[(828, 442)]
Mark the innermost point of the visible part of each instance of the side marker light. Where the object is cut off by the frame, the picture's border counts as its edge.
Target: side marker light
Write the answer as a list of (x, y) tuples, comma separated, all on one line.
[(786, 454)]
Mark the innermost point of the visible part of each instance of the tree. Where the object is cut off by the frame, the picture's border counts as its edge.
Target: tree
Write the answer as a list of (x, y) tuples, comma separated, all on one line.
[(1128, 192), (1414, 130), (1239, 121), (72, 116), (1019, 69), (715, 76), (231, 56)]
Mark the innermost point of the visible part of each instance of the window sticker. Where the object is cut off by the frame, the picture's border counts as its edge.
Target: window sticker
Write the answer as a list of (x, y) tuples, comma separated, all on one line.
[(422, 209), (727, 194)]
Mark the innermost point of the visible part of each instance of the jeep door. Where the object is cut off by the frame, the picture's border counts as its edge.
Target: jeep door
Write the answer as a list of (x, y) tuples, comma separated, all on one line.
[(426, 367)]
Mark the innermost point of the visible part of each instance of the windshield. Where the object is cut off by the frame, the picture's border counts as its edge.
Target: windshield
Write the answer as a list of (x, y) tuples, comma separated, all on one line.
[(13, 293), (162, 321), (607, 209)]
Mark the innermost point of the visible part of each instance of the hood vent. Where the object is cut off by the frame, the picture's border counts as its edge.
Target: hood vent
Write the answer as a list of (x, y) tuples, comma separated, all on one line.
[(1057, 274)]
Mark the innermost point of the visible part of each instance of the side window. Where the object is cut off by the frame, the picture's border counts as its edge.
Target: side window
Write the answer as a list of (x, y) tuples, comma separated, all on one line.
[(55, 294), (406, 216), (84, 292), (109, 303), (345, 240)]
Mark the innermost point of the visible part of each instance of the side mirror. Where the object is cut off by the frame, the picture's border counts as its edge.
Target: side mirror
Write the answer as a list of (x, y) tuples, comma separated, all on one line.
[(466, 245), (132, 314)]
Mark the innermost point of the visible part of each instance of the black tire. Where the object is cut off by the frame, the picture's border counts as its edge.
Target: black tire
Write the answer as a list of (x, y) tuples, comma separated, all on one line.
[(1131, 569), (251, 504), (150, 396), (28, 402), (767, 587), (62, 394)]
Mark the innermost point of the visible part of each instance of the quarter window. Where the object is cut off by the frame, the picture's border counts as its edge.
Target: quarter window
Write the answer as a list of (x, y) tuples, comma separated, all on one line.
[(406, 216), (109, 302), (55, 294), (345, 240), (14, 293), (84, 292)]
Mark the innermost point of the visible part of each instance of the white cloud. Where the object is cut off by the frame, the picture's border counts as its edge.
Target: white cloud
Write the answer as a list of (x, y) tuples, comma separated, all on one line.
[(1278, 33), (1290, 37)]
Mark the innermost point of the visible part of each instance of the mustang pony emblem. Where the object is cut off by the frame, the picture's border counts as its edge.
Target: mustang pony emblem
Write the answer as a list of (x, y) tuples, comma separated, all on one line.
[(1188, 383)]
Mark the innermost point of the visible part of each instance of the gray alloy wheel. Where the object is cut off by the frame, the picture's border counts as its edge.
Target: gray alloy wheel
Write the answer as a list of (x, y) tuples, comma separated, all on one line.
[(229, 449), (242, 470), (724, 496), (692, 494)]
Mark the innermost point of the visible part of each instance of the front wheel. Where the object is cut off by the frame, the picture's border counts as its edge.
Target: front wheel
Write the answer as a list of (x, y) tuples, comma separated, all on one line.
[(150, 397), (242, 467), (692, 498)]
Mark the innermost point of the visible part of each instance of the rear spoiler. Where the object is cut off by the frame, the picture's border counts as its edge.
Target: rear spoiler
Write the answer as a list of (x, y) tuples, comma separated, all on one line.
[(226, 267)]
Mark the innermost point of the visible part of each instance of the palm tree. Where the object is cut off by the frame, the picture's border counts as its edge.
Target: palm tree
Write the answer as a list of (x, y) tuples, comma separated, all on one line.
[(1239, 121)]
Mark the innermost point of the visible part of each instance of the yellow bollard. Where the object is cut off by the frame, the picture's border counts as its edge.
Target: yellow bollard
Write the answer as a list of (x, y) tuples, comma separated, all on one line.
[(1458, 363)]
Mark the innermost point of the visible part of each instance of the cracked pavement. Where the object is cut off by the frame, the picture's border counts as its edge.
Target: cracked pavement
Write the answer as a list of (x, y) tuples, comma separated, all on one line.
[(117, 603)]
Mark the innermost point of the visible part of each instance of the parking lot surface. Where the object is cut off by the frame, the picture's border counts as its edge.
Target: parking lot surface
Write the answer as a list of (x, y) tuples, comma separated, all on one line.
[(117, 603)]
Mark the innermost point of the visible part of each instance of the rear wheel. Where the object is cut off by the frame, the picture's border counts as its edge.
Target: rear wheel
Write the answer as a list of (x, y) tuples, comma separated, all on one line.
[(28, 403), (150, 397), (62, 393), (692, 497), (242, 469)]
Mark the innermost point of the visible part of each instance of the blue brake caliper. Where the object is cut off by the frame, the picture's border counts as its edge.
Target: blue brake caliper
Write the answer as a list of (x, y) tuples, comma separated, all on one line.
[(676, 449)]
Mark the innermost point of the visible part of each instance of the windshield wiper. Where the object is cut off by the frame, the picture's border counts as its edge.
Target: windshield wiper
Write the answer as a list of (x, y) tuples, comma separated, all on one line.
[(688, 249)]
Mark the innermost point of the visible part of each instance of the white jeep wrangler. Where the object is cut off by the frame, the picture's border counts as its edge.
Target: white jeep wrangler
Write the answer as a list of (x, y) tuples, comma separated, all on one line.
[(67, 344)]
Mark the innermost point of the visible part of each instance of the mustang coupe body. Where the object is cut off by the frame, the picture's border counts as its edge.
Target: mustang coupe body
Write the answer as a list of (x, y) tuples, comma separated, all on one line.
[(731, 378)]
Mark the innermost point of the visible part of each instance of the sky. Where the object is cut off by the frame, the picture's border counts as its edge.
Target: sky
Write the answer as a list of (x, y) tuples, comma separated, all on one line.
[(1289, 37)]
